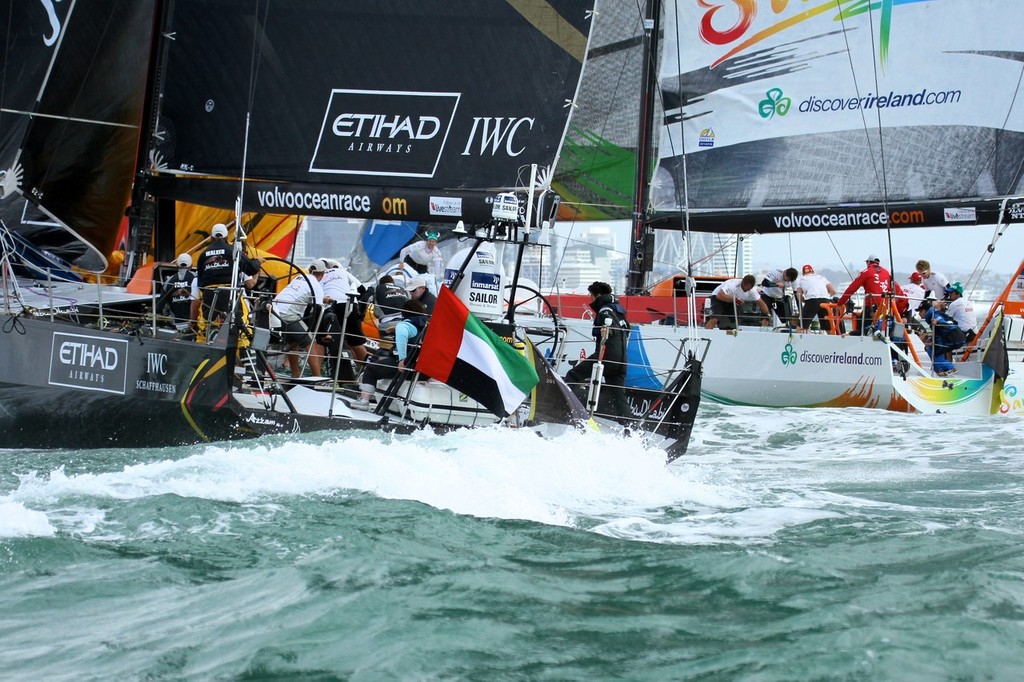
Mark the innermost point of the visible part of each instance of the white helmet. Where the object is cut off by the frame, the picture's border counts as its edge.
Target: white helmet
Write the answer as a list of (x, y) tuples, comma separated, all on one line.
[(220, 231), (184, 261)]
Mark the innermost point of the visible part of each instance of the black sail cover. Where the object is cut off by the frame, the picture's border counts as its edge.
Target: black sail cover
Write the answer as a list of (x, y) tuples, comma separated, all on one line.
[(74, 82), (399, 109)]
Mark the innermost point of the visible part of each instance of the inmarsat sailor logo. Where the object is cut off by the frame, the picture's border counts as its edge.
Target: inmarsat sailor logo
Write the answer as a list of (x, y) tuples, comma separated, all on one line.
[(371, 132)]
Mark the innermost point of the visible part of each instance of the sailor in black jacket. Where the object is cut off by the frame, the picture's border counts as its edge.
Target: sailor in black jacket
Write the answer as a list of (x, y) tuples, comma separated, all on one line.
[(612, 331), (177, 293), (213, 272)]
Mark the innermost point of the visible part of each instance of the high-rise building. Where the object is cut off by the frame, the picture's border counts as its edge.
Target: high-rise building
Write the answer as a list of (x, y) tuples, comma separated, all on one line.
[(710, 254), (326, 238)]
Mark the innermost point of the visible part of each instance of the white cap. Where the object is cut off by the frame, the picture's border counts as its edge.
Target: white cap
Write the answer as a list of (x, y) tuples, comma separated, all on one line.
[(318, 265), (184, 261), (415, 283), (220, 230), (331, 263)]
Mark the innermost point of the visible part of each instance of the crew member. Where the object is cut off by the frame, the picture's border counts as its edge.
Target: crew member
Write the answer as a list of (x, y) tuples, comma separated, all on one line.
[(176, 296), (424, 256), (961, 310), (611, 336), (877, 284), (728, 296), (213, 280), (291, 306), (773, 292), (814, 290)]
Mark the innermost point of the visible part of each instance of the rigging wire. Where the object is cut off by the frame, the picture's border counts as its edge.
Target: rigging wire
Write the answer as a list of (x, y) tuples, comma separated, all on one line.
[(255, 59), (1006, 119), (254, 62), (1000, 226), (880, 168), (604, 119), (691, 302), (879, 164)]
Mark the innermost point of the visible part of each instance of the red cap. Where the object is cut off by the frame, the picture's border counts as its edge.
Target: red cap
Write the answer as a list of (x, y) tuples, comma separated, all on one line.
[(915, 277), (808, 270)]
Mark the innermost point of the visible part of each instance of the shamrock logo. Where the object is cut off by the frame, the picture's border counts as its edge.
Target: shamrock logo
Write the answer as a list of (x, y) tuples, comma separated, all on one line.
[(788, 355), (774, 103)]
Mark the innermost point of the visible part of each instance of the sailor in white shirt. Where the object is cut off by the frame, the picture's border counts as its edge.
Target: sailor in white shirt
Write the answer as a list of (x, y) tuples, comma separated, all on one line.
[(961, 310), (341, 293), (290, 306), (730, 294), (914, 291), (773, 292), (424, 256), (812, 290), (934, 282), (338, 282)]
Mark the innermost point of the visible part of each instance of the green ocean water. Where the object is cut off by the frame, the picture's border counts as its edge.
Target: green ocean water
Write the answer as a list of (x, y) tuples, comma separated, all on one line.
[(786, 545)]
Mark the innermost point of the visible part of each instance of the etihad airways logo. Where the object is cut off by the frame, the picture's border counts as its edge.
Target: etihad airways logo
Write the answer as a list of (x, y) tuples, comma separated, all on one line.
[(92, 363), (370, 132), (404, 134)]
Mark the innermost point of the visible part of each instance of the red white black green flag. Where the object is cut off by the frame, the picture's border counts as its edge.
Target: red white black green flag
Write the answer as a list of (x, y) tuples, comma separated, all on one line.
[(459, 350)]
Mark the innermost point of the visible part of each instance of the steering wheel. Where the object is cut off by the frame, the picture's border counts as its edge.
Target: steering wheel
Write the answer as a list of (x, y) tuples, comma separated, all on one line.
[(536, 306)]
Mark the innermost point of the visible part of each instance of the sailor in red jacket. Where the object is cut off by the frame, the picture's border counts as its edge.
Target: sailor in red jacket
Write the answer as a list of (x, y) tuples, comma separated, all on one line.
[(876, 282)]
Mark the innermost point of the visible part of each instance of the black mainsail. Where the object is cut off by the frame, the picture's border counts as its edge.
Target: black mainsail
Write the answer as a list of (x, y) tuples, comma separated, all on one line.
[(399, 109), (75, 79)]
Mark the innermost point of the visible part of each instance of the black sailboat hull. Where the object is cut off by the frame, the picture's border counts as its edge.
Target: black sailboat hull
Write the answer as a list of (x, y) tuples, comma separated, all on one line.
[(52, 417), (49, 418), (64, 385), (67, 386)]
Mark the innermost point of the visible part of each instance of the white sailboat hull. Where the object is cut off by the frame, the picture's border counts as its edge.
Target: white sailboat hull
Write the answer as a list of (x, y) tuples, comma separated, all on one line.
[(766, 368)]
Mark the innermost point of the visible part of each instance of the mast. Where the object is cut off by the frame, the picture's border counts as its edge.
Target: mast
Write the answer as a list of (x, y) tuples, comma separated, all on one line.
[(641, 246), (143, 207)]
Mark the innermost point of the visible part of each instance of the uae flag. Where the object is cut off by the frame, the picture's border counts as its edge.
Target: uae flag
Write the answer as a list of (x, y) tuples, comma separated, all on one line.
[(459, 350)]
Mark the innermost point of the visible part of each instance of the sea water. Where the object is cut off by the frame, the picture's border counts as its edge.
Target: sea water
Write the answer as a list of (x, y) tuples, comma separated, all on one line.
[(785, 545)]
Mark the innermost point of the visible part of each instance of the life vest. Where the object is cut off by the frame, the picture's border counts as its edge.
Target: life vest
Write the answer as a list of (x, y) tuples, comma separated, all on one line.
[(420, 322), (947, 332), (614, 310)]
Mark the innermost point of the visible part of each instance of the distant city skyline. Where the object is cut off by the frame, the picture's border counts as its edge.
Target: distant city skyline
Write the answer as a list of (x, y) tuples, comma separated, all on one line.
[(948, 249), (599, 250)]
